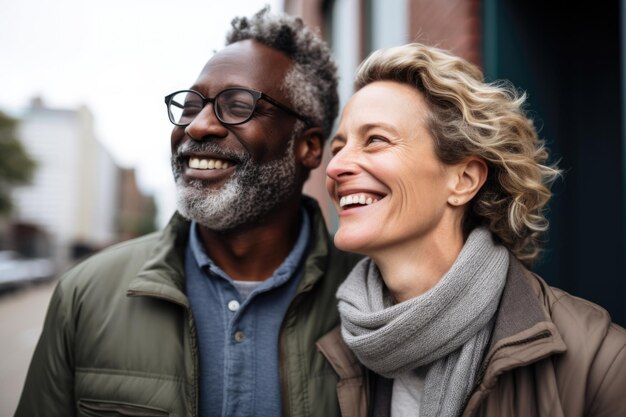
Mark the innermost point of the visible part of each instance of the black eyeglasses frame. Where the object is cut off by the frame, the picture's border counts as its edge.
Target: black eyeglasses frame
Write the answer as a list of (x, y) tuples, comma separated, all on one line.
[(257, 95)]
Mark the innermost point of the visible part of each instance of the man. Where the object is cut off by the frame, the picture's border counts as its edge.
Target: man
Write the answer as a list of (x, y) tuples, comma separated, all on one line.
[(219, 313)]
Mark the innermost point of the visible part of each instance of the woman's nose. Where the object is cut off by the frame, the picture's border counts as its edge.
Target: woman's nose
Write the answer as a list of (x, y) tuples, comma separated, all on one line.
[(342, 165), (206, 124)]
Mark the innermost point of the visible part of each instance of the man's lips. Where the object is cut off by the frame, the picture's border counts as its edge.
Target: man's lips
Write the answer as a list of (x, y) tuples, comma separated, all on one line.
[(207, 155), (205, 167)]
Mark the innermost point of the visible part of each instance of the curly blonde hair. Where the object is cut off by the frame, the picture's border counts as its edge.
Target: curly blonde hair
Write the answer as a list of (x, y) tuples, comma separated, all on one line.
[(470, 117)]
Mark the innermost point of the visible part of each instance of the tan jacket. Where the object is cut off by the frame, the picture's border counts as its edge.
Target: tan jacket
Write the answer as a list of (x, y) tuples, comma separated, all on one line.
[(551, 354)]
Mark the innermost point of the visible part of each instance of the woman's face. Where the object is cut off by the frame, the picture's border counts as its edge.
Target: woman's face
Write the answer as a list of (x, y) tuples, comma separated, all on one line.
[(387, 184)]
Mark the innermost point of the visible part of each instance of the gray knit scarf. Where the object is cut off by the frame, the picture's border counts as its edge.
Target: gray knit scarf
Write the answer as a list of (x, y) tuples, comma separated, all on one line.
[(445, 329)]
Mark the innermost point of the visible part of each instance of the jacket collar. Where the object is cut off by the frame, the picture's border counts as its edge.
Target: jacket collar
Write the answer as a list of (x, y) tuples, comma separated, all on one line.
[(523, 331), (318, 249), (162, 275)]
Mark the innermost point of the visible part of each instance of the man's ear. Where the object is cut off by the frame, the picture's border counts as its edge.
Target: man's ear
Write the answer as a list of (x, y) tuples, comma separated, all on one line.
[(309, 147), (468, 178)]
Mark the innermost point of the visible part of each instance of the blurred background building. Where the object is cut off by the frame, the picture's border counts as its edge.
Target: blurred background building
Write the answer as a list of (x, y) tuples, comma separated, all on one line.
[(78, 200), (570, 59)]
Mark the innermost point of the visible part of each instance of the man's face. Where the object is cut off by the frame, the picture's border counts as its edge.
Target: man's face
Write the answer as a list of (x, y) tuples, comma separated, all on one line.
[(229, 176)]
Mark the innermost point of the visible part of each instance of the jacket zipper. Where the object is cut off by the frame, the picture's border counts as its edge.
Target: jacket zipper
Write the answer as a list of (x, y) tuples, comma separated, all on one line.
[(194, 358), (286, 406), (283, 378), (192, 332)]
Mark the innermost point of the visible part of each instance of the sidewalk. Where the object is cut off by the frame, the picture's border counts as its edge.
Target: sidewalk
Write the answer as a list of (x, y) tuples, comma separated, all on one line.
[(22, 312)]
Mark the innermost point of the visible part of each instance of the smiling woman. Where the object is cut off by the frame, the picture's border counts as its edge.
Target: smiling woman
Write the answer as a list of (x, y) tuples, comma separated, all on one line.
[(384, 152), (441, 180)]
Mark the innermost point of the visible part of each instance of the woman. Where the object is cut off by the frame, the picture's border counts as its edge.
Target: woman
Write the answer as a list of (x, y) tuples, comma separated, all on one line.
[(440, 180)]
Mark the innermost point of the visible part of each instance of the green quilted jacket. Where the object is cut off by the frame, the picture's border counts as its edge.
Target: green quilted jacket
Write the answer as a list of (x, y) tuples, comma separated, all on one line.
[(120, 339)]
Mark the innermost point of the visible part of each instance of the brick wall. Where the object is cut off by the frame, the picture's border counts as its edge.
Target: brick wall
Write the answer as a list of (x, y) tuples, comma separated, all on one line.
[(449, 24)]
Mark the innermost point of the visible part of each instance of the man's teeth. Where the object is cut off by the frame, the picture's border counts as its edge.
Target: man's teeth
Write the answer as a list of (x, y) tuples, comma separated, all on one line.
[(356, 199), (201, 163)]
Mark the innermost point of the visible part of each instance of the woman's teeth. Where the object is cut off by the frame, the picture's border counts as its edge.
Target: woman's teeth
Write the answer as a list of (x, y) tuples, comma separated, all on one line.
[(356, 199)]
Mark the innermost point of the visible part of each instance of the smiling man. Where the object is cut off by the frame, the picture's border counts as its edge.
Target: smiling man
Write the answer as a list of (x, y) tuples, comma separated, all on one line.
[(219, 313)]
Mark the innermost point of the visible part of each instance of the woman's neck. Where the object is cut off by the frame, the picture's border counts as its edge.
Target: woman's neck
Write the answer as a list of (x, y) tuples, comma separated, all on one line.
[(412, 268)]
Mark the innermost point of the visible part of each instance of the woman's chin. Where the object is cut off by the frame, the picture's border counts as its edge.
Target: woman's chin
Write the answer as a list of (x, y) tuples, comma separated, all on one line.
[(351, 243)]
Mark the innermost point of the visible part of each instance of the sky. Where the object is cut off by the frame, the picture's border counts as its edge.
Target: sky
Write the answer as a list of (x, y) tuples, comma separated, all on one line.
[(119, 58)]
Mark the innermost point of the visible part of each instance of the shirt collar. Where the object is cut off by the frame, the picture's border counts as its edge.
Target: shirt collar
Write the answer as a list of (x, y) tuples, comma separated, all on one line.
[(280, 275)]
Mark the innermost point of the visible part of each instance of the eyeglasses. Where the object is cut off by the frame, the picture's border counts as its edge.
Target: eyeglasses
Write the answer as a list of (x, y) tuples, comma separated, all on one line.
[(232, 106)]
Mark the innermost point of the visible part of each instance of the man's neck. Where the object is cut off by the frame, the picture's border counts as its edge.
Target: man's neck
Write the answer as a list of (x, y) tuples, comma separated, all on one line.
[(254, 252)]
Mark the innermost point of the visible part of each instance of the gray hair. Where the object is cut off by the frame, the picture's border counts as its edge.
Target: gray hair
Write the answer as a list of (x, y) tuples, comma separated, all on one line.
[(311, 84)]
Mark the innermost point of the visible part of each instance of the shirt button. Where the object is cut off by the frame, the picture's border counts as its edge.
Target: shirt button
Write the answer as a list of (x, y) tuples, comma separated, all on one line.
[(239, 336), (233, 305)]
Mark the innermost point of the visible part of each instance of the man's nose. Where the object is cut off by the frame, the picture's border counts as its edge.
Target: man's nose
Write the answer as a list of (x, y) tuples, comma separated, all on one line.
[(205, 125)]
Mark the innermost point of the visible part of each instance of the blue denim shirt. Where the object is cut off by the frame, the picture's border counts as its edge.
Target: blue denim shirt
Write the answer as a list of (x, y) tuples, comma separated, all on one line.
[(238, 339)]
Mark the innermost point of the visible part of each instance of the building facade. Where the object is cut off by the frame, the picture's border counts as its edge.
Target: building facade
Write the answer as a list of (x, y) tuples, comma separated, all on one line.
[(80, 200), (73, 198)]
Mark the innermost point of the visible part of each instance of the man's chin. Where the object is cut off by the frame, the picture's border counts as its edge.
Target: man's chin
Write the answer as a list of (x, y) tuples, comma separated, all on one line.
[(213, 208)]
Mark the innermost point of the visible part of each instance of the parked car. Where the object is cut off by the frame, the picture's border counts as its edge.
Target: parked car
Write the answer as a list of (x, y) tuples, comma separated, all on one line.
[(15, 269)]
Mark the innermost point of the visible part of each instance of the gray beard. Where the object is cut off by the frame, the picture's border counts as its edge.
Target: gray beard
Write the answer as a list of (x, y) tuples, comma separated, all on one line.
[(250, 194)]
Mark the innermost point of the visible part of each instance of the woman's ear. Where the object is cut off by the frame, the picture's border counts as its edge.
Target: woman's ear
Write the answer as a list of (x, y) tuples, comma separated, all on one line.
[(469, 177), (309, 147)]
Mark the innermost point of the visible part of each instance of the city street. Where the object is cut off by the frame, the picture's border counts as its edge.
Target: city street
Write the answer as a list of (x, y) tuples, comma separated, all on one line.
[(22, 312)]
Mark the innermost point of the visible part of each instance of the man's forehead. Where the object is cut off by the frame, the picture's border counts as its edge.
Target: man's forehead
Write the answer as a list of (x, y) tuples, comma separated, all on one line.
[(246, 63)]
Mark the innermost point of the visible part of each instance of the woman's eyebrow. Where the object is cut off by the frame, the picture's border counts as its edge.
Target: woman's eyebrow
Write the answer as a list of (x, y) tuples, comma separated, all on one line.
[(337, 138), (380, 125)]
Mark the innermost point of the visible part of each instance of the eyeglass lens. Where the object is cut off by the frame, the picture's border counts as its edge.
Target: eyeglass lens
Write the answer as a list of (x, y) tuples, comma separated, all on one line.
[(230, 106)]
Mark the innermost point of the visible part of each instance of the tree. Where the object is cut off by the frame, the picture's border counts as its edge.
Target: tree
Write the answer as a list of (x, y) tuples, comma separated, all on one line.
[(16, 166)]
